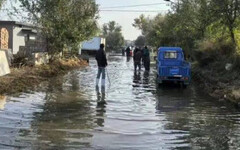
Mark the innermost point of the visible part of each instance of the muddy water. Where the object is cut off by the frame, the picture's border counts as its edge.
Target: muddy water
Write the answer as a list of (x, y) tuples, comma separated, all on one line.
[(132, 113)]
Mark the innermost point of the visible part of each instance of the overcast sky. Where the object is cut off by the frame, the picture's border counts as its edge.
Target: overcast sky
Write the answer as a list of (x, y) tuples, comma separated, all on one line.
[(122, 16), (126, 19)]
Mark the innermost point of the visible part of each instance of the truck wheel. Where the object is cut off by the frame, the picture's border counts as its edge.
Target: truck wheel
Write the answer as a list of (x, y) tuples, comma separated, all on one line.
[(159, 84)]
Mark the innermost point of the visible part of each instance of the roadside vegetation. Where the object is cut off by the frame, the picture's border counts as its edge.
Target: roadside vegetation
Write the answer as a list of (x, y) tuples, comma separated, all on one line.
[(64, 25), (208, 31)]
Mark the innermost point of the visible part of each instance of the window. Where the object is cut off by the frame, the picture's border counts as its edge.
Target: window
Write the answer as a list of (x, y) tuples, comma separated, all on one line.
[(170, 55)]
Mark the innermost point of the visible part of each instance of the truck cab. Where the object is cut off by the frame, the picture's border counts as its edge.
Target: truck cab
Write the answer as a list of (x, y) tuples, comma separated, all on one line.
[(171, 66)]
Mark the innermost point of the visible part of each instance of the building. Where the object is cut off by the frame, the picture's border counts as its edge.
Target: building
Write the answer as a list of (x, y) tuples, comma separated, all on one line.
[(23, 40), (15, 34), (91, 46)]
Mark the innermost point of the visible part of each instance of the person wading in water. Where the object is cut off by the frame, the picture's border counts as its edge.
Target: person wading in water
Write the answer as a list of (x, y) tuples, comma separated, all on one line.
[(102, 64), (146, 58), (137, 57)]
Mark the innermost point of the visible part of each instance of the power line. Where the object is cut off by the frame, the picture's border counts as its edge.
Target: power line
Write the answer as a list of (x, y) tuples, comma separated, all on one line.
[(104, 10), (127, 6), (134, 10)]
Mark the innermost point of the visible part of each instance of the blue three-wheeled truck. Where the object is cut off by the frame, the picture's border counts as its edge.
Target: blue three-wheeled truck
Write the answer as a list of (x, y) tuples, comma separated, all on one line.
[(171, 66)]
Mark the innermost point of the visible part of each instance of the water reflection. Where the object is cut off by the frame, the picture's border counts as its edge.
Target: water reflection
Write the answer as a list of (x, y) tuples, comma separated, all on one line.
[(101, 106), (2, 102), (65, 116), (203, 123), (137, 78), (74, 81), (146, 79), (130, 114), (141, 80), (101, 96)]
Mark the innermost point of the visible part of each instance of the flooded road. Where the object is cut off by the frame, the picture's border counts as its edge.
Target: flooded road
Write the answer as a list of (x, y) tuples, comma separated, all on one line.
[(64, 114)]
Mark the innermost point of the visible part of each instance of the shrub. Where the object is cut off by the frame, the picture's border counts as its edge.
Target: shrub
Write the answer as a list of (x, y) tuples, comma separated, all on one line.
[(236, 63), (211, 51)]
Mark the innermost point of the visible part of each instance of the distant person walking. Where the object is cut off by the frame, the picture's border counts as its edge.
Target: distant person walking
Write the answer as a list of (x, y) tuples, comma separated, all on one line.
[(146, 58), (137, 57), (128, 51), (102, 64)]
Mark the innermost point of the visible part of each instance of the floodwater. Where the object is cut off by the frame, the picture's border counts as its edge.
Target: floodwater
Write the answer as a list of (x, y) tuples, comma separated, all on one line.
[(69, 112)]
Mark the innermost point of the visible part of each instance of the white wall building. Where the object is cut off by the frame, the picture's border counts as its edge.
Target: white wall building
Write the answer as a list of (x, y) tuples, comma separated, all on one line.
[(15, 34), (92, 45)]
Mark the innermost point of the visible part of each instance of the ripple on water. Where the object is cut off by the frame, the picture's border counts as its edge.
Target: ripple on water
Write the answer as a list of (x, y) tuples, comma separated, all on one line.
[(137, 114)]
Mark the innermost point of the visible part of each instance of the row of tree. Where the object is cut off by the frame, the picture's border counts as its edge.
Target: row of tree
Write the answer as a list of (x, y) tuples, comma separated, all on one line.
[(190, 22), (63, 23), (66, 23), (113, 33)]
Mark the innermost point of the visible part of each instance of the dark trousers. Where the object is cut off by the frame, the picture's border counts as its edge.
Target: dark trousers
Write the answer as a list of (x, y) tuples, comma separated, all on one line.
[(147, 64), (137, 64)]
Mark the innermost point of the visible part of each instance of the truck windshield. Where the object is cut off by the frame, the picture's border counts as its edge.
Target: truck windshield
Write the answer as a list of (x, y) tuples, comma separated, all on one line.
[(170, 55)]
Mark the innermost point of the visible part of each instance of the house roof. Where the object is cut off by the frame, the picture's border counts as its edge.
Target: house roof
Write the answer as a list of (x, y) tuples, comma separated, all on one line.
[(27, 30), (4, 22)]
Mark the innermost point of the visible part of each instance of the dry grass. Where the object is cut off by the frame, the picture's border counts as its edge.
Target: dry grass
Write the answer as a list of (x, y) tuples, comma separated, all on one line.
[(217, 81), (25, 78), (213, 51)]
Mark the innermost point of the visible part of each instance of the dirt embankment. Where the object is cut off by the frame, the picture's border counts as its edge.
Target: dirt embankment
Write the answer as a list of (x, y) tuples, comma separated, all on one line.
[(26, 78), (223, 85)]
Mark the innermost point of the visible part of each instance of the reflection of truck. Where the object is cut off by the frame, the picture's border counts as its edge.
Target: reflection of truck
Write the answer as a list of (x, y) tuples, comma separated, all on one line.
[(171, 66), (91, 46)]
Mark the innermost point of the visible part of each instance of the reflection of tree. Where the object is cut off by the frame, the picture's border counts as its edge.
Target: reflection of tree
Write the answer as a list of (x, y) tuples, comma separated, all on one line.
[(64, 117), (198, 116), (2, 102), (74, 81), (55, 84)]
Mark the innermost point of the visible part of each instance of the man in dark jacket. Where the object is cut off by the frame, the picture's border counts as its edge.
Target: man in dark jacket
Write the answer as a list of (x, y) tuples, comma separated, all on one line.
[(137, 57), (128, 51), (146, 58), (102, 64)]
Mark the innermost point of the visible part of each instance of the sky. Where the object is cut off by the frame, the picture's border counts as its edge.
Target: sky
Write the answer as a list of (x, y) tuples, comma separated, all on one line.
[(126, 19), (123, 18)]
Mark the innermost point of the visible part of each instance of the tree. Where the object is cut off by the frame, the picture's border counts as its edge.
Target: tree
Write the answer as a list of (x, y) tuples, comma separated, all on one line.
[(143, 23), (140, 41), (113, 33), (229, 12), (64, 23), (147, 26), (183, 26)]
